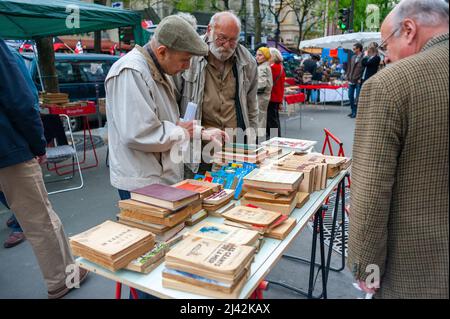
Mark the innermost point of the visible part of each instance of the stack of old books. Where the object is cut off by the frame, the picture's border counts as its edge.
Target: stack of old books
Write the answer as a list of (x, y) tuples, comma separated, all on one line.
[(218, 203), (53, 98), (204, 189), (250, 153), (274, 190), (208, 267), (268, 223), (253, 218), (315, 167), (112, 245), (290, 144), (159, 209), (225, 233), (150, 260)]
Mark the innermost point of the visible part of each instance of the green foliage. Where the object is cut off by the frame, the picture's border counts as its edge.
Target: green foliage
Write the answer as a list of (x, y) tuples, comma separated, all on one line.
[(360, 10)]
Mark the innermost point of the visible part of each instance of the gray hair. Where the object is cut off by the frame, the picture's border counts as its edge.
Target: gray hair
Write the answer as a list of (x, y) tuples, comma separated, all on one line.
[(430, 13), (216, 17), (276, 55), (189, 18)]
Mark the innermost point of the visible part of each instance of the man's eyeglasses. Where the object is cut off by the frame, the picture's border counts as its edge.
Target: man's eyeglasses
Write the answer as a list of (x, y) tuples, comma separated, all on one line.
[(383, 46), (221, 40)]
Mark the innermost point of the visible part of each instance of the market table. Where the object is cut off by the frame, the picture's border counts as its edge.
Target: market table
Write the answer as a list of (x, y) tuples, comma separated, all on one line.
[(269, 254), (324, 86)]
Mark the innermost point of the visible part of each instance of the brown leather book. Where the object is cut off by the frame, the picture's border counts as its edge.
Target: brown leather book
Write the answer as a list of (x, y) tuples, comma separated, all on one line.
[(164, 196)]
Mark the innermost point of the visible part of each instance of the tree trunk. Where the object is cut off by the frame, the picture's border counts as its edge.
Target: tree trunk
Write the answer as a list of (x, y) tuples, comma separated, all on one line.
[(47, 64), (98, 34), (258, 22), (98, 41), (277, 32)]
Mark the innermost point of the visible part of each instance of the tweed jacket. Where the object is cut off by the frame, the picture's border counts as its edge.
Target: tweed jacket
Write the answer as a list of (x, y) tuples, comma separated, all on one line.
[(399, 192)]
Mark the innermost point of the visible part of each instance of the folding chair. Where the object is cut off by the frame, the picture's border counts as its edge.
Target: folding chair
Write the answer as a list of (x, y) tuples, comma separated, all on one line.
[(58, 149), (327, 142), (329, 137)]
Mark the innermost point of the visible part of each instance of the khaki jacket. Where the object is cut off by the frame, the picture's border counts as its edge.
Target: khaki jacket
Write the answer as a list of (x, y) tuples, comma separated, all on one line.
[(265, 83), (399, 192), (190, 85), (141, 112)]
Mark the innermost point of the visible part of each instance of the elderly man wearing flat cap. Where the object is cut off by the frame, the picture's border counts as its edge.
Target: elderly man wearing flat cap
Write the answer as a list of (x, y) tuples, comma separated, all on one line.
[(142, 112)]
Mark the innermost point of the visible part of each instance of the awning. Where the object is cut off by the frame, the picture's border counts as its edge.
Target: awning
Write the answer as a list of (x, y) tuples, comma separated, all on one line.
[(345, 41), (28, 19)]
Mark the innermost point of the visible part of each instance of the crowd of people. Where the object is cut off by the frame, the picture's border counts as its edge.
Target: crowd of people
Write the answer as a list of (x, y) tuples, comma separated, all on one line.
[(400, 155)]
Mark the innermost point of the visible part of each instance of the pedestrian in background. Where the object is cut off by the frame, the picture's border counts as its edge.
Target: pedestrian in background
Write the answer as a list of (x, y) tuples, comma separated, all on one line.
[(265, 84), (354, 77), (277, 95)]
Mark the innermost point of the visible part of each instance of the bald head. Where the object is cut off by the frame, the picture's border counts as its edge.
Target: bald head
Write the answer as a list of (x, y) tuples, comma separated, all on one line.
[(410, 25), (225, 19), (223, 35)]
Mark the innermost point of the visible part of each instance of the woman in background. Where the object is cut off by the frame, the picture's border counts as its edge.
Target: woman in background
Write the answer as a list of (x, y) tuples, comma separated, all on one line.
[(276, 98), (264, 84)]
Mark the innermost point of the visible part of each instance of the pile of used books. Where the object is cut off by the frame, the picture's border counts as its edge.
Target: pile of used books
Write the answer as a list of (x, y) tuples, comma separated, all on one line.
[(112, 245), (250, 153), (218, 203), (316, 168), (225, 233), (254, 218), (290, 144), (274, 190), (159, 209), (205, 190), (53, 98), (150, 260), (208, 267)]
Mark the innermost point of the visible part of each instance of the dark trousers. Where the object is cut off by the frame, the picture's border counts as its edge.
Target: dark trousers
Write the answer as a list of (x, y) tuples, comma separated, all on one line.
[(273, 119), (141, 295), (352, 89)]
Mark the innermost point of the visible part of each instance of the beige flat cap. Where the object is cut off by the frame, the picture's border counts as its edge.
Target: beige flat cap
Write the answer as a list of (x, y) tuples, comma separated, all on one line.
[(177, 34)]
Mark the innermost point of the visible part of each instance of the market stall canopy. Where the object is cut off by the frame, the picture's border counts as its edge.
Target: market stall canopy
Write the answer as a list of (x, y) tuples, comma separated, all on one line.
[(28, 19), (345, 41)]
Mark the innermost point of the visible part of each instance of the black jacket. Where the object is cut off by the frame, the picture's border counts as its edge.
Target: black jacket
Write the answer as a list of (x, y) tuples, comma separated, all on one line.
[(370, 65), (21, 131)]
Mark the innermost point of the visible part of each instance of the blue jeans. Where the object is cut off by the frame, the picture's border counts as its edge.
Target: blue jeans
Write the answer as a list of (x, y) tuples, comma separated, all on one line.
[(141, 295), (15, 227), (351, 96)]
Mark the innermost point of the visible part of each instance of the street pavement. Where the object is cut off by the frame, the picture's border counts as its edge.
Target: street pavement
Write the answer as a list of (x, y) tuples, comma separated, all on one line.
[(79, 210)]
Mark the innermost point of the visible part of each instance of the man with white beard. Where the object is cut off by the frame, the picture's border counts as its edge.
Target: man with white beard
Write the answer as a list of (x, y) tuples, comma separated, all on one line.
[(223, 84)]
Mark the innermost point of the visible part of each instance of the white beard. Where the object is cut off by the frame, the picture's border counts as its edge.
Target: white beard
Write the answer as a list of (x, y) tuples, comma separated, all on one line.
[(220, 53)]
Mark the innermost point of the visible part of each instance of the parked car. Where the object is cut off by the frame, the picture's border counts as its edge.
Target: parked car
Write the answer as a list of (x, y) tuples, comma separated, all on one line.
[(81, 76)]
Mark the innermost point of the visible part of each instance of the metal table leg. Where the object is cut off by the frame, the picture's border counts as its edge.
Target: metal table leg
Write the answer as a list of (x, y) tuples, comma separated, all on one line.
[(318, 223)]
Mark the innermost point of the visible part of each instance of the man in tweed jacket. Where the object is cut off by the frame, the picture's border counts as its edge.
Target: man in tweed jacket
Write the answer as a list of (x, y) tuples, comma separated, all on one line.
[(399, 218)]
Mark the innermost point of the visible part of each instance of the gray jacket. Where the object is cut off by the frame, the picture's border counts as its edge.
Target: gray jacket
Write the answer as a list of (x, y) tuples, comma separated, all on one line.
[(191, 83)]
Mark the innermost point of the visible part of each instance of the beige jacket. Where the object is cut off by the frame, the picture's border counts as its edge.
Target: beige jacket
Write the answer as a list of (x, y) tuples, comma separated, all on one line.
[(265, 84), (141, 112), (191, 83)]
